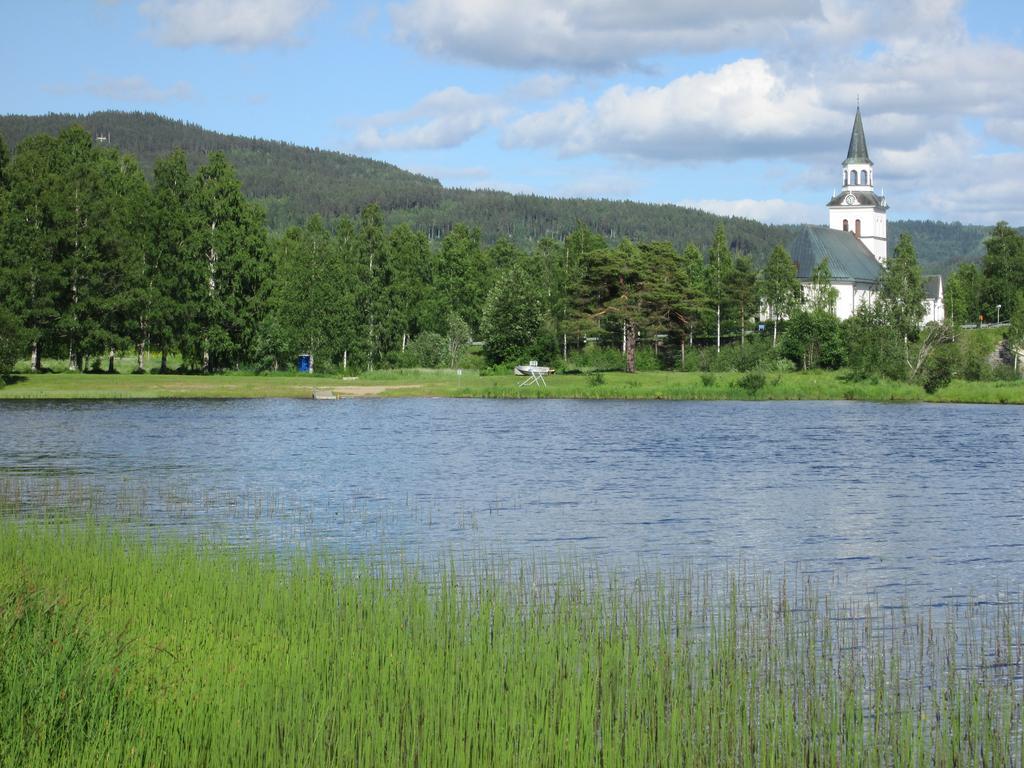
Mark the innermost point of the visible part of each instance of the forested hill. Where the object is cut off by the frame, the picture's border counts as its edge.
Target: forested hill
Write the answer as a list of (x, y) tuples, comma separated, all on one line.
[(294, 182)]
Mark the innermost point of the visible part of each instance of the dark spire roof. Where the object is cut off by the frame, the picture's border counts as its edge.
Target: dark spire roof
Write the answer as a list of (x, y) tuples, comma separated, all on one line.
[(858, 152)]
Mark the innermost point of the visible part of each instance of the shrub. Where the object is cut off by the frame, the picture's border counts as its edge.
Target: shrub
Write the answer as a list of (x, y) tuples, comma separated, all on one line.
[(707, 379), (428, 350), (938, 369), (752, 381), (598, 358), (647, 360)]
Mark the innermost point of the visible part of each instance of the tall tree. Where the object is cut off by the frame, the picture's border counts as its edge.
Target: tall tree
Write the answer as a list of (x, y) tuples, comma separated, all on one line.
[(672, 290), (822, 295), (574, 306), (780, 287), (123, 295), (177, 273), (412, 281), (716, 279), (230, 243), (742, 290), (901, 291), (962, 297), (464, 276), (374, 296), (1003, 269), (512, 317), (812, 336), (623, 285), (307, 295)]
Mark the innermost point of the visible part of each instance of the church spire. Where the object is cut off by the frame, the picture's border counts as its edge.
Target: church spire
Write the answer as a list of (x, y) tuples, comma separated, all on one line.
[(858, 152)]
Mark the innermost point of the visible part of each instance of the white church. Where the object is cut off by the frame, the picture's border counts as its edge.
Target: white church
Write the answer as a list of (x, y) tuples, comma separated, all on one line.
[(855, 242)]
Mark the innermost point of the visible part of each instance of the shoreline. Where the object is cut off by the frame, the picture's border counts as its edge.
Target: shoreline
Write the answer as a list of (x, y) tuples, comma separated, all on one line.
[(655, 385)]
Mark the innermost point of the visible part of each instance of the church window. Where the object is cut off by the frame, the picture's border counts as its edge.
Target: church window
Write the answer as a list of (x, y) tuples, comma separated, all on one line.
[(846, 225), (863, 177), (846, 179), (856, 225)]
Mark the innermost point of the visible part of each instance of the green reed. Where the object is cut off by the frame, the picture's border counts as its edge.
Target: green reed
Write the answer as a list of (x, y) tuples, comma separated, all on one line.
[(120, 651)]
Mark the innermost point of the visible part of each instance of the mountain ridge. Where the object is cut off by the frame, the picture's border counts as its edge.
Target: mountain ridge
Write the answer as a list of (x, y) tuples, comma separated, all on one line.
[(292, 182)]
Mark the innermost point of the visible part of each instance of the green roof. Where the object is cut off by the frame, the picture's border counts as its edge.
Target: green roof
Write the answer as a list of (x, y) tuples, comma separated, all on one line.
[(858, 152), (848, 258)]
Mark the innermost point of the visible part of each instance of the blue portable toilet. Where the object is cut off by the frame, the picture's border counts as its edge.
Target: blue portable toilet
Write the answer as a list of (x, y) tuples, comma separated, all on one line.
[(304, 363)]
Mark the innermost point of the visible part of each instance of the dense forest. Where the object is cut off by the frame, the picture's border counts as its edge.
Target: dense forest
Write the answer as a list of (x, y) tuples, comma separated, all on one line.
[(292, 183), (97, 260)]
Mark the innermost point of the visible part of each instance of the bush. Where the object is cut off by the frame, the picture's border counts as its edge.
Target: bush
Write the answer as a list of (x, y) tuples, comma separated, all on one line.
[(707, 379), (938, 368), (428, 350), (752, 381), (597, 358), (647, 360)]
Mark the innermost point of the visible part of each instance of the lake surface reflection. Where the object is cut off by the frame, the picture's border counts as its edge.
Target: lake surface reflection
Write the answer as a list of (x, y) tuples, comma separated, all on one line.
[(922, 502)]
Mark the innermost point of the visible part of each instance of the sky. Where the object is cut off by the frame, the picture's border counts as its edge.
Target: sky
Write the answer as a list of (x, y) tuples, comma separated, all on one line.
[(742, 107)]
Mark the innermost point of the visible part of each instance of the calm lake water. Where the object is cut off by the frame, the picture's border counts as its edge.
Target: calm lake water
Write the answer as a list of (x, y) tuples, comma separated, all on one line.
[(919, 502)]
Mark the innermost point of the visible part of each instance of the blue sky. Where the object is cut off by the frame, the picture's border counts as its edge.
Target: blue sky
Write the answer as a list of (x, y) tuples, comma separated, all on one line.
[(736, 106)]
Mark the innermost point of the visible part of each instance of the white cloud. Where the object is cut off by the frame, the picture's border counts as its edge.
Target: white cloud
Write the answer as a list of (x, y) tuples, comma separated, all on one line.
[(138, 89), (743, 109), (233, 23), (772, 211), (589, 34), (442, 119)]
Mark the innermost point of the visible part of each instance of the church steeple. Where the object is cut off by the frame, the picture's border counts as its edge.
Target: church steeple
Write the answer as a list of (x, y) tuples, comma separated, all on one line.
[(858, 152), (857, 209)]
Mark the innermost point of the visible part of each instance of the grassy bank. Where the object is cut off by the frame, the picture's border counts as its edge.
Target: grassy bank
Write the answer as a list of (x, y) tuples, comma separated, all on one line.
[(117, 653), (814, 385)]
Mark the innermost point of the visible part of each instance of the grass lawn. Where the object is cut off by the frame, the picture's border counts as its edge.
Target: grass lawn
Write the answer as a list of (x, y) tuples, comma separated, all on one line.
[(815, 385)]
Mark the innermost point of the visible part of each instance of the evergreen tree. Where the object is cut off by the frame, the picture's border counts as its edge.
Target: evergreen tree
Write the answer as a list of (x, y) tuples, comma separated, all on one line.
[(176, 272), (230, 244), (30, 274), (123, 296), (307, 298), (374, 301), (672, 290)]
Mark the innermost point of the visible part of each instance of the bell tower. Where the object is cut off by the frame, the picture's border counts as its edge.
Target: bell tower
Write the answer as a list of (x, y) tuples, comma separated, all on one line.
[(857, 209)]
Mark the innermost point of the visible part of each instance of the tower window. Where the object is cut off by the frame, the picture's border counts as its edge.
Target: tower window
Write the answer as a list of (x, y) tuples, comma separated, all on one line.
[(846, 225), (863, 177), (856, 225), (846, 179)]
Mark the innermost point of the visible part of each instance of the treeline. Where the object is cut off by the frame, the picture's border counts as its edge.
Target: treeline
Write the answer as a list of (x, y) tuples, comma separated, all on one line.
[(96, 261), (293, 183)]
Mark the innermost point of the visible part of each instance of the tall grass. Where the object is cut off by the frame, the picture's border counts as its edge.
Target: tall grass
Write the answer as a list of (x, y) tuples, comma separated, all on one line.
[(115, 651)]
